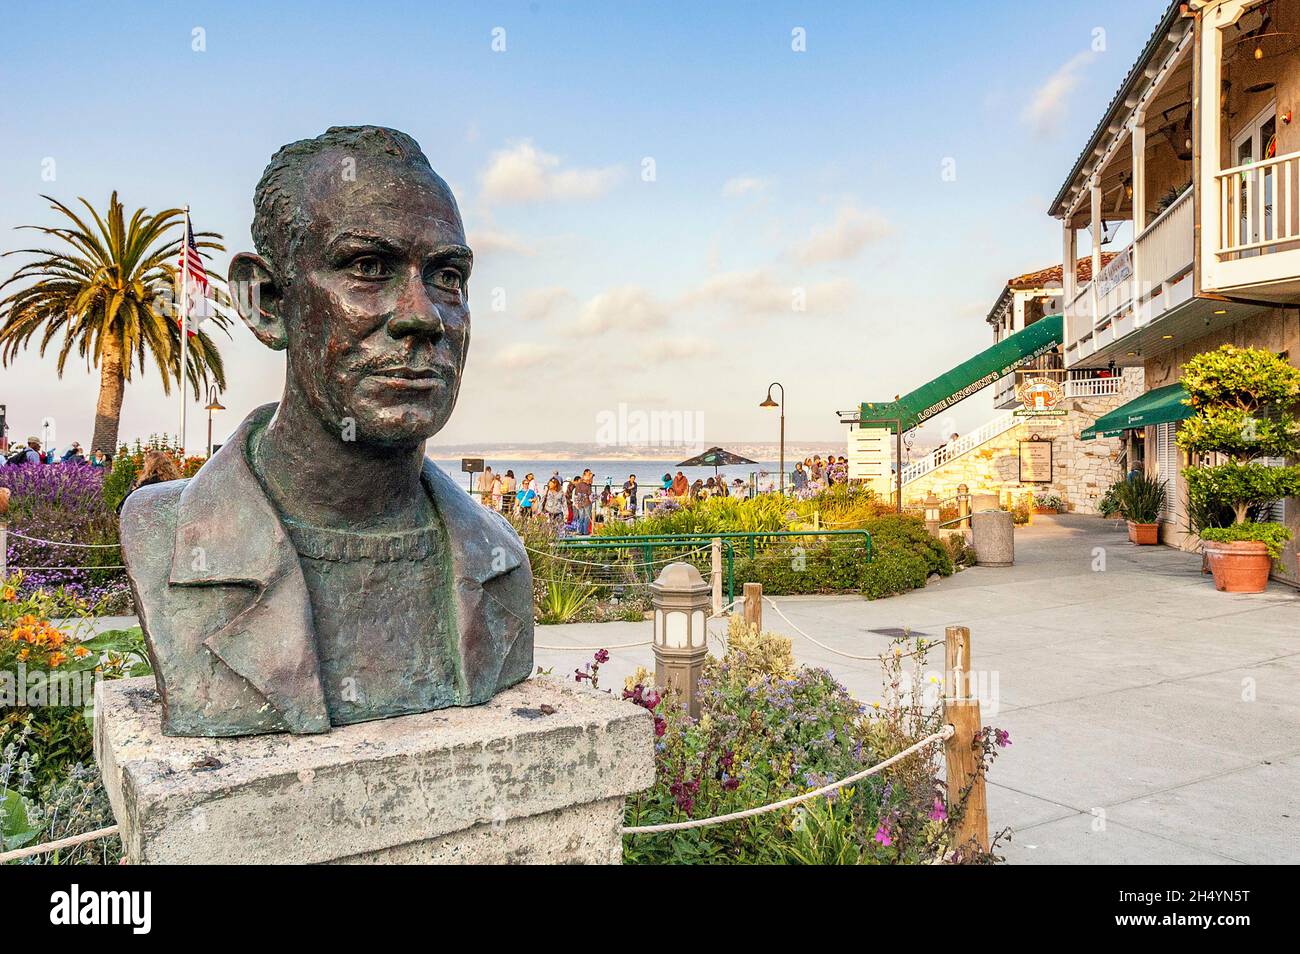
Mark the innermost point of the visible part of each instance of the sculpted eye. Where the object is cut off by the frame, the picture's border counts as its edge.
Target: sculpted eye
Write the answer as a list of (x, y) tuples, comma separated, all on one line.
[(370, 267), (448, 278)]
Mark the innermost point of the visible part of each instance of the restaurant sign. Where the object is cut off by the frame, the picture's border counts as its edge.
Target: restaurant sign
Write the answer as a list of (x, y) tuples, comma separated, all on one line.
[(1040, 397)]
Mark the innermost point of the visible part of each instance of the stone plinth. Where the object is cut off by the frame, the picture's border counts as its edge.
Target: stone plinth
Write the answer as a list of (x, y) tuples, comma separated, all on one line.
[(505, 782), (993, 537)]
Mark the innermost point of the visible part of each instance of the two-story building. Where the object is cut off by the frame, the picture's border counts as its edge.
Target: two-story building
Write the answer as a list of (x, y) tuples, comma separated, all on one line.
[(1198, 153)]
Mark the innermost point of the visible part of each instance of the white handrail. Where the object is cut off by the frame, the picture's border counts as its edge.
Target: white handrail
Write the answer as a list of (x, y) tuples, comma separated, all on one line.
[(962, 445)]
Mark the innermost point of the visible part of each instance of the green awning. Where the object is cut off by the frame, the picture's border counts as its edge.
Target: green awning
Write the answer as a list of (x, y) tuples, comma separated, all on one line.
[(1161, 406), (972, 375)]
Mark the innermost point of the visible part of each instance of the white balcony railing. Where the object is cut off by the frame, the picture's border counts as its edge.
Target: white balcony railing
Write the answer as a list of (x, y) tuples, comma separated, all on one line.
[(1259, 207), (1164, 253), (1092, 387), (1157, 266)]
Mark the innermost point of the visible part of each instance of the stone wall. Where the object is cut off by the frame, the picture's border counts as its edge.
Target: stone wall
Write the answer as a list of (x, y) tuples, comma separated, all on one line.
[(1081, 470)]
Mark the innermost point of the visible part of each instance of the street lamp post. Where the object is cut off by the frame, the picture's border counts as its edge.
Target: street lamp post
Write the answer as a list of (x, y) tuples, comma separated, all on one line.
[(768, 402), (213, 405)]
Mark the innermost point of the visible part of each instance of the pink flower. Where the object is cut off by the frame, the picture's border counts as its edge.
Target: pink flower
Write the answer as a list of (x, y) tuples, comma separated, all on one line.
[(883, 835), (938, 812)]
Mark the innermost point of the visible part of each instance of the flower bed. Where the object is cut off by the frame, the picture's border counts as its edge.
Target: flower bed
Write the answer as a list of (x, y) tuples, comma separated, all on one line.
[(65, 503), (770, 730)]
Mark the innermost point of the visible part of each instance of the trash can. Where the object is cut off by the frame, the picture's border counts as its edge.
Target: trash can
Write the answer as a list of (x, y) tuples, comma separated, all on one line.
[(993, 537)]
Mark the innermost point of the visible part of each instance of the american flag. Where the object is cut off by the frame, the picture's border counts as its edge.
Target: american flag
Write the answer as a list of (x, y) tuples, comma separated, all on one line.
[(191, 265)]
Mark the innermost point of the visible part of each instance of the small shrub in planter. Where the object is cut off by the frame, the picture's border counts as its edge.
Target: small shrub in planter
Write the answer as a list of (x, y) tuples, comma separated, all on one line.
[(1245, 401), (1141, 499)]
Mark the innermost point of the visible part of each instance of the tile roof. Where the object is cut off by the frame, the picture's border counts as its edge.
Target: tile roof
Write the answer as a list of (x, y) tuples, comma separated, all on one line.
[(1051, 276)]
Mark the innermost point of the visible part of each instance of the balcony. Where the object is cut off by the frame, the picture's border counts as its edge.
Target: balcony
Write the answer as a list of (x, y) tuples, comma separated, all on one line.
[(1257, 246), (1075, 384), (1146, 281)]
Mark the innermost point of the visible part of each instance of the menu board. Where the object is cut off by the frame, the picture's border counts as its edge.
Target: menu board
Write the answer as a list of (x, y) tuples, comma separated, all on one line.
[(1035, 462)]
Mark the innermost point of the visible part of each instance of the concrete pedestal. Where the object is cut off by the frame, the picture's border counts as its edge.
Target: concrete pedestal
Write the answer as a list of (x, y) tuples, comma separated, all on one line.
[(993, 537), (507, 782)]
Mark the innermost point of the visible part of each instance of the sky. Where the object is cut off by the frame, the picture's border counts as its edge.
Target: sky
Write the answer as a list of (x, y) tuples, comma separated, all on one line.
[(671, 204)]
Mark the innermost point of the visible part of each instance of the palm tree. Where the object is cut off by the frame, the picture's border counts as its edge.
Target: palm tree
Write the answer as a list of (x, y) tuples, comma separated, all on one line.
[(109, 291)]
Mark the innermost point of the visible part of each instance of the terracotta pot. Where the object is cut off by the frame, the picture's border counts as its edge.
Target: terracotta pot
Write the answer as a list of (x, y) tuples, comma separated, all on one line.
[(1042, 511), (1143, 534), (1240, 566)]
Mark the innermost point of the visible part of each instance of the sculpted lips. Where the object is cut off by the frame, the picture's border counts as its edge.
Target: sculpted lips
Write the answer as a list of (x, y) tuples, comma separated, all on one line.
[(408, 378)]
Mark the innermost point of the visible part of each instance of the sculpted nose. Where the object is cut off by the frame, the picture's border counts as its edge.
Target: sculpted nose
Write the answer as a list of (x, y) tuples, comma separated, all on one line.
[(416, 313)]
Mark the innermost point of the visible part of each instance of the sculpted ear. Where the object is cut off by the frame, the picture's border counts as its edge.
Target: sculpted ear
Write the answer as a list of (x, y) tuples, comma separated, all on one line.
[(257, 299)]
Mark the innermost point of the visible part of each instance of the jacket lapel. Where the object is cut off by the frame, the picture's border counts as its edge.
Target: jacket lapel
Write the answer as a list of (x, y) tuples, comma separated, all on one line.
[(484, 557), (229, 534)]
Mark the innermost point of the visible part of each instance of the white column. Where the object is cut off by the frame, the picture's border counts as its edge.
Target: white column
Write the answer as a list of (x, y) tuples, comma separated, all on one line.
[(1069, 252), (1096, 247), (1139, 202)]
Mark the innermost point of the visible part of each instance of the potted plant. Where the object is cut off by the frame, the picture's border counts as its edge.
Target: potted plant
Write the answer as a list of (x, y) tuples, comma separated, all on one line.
[(1048, 503), (1245, 401), (1141, 499)]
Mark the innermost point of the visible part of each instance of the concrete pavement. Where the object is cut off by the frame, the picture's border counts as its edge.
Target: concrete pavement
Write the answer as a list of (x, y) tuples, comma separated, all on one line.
[(1152, 718)]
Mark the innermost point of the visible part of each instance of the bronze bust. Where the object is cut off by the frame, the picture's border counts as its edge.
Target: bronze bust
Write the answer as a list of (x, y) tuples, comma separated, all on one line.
[(318, 570)]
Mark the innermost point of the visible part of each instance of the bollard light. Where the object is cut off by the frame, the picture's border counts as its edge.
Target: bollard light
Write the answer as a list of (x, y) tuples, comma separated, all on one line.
[(681, 604), (932, 504)]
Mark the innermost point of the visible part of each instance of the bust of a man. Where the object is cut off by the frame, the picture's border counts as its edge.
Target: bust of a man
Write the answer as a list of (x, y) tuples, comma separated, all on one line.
[(318, 570)]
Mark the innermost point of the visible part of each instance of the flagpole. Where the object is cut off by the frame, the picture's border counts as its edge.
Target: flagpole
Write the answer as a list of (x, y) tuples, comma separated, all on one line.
[(185, 317)]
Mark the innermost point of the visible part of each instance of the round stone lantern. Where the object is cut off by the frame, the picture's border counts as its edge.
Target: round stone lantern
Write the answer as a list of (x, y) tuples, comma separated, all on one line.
[(681, 639)]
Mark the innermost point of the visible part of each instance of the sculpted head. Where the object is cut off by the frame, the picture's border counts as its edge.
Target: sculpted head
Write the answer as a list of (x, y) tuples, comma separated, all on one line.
[(362, 276)]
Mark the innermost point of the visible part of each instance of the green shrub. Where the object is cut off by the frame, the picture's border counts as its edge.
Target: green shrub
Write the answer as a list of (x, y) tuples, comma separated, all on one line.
[(893, 572), (1141, 498)]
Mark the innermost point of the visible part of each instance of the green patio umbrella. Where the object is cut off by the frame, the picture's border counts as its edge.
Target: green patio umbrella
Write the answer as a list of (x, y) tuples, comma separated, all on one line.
[(716, 457)]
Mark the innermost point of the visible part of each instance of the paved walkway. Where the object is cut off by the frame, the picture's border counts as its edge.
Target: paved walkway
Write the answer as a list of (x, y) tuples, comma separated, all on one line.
[(1153, 719)]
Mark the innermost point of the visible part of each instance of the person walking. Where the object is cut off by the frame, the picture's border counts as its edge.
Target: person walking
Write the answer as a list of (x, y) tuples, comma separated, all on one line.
[(508, 492), (799, 477), (553, 504), (582, 502), (527, 495), (629, 492)]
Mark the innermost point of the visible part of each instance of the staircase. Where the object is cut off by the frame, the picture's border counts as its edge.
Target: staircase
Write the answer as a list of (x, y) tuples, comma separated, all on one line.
[(962, 445)]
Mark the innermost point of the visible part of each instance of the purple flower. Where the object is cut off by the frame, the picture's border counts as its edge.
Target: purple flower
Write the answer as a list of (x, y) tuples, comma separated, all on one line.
[(938, 812), (883, 834), (1002, 738), (602, 655)]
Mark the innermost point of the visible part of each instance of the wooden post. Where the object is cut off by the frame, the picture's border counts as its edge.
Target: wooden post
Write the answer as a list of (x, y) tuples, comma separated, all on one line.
[(754, 605), (963, 506), (961, 709), (716, 576)]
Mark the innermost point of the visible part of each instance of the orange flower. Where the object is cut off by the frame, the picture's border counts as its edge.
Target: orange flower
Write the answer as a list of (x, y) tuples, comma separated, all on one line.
[(58, 658), (23, 654), (10, 594), (28, 620), (81, 652), (24, 633)]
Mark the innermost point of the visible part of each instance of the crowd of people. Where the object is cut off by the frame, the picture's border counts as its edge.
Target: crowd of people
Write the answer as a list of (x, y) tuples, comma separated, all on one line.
[(574, 504), (32, 453), (812, 474)]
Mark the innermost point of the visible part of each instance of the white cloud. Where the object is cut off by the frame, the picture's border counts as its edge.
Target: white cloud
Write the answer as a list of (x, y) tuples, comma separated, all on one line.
[(524, 354), (745, 185), (523, 173), (675, 347), (759, 292), (496, 242), (542, 304), (628, 307), (1045, 110), (851, 232)]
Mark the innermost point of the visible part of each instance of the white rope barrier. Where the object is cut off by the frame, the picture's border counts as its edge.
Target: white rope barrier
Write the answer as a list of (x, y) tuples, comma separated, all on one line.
[(591, 649), (817, 642), (63, 543), (945, 733), (71, 842)]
